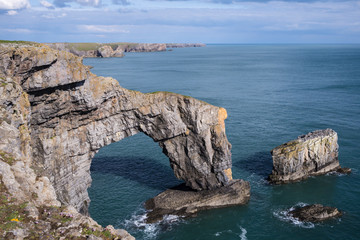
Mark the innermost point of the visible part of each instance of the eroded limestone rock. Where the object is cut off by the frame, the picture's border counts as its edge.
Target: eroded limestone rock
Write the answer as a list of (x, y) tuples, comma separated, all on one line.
[(185, 202), (24, 190), (315, 213), (74, 113), (312, 154)]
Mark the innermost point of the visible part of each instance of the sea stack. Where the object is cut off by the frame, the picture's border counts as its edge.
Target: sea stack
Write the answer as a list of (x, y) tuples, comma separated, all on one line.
[(312, 154)]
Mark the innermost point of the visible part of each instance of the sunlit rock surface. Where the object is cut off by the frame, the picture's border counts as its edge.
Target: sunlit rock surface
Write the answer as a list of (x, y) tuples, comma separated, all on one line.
[(312, 154), (74, 113)]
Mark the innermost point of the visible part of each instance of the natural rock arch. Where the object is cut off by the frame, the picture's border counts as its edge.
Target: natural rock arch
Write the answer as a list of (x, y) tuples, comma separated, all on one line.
[(74, 113)]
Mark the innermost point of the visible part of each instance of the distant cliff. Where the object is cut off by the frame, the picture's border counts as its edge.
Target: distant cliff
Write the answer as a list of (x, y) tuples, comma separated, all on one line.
[(184, 45), (116, 49)]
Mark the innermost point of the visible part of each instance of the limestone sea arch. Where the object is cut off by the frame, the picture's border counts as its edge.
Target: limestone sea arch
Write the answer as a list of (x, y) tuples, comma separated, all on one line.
[(74, 113)]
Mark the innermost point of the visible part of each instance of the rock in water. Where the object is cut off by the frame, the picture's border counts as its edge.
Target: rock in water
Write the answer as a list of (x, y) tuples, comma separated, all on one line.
[(186, 202), (344, 170), (312, 154), (315, 213)]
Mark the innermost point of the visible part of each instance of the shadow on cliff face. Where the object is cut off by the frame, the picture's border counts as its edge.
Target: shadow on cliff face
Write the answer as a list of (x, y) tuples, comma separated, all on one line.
[(143, 170), (259, 163)]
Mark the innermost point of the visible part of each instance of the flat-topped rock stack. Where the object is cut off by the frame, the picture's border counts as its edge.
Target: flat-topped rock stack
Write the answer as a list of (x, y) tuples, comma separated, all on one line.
[(312, 154)]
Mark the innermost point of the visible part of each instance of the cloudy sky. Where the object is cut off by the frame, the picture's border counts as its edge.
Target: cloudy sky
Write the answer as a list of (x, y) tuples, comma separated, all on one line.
[(208, 21)]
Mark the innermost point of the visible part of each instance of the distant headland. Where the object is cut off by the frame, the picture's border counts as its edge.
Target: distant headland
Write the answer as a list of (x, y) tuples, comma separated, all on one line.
[(116, 49)]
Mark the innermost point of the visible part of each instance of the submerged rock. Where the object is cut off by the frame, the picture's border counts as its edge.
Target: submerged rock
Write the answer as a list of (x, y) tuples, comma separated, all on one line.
[(315, 213), (344, 170), (312, 154), (184, 201)]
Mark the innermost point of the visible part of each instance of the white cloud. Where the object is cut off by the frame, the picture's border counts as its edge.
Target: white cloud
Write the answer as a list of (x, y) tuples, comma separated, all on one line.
[(103, 28), (46, 4), (67, 3), (12, 12), (14, 4), (17, 30), (53, 16), (89, 2)]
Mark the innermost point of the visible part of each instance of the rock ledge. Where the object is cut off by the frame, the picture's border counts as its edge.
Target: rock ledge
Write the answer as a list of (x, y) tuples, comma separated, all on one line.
[(186, 202)]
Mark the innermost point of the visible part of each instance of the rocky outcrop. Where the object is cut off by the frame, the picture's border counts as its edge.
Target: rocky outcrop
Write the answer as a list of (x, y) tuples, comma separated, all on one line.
[(89, 50), (184, 45), (315, 213), (186, 202), (73, 113), (29, 205), (143, 47), (312, 154), (116, 49)]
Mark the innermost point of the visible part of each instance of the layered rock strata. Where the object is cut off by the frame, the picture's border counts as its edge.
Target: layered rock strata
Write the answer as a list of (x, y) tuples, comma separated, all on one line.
[(185, 202), (315, 213), (29, 205), (74, 113), (106, 50), (312, 154)]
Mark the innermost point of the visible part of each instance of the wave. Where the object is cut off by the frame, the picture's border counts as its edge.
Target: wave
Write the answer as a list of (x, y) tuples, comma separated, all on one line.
[(137, 223), (284, 215), (241, 235)]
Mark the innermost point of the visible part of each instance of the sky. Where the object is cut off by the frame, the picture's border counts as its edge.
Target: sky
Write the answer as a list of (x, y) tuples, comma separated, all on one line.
[(181, 21)]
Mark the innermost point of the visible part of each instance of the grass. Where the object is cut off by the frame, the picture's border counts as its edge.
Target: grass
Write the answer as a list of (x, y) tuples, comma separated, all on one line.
[(11, 213), (84, 46), (7, 157), (106, 234), (17, 42)]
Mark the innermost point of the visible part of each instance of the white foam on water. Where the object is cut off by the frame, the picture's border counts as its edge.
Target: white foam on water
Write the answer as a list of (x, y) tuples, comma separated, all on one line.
[(138, 222), (222, 232), (336, 173), (284, 215), (243, 233)]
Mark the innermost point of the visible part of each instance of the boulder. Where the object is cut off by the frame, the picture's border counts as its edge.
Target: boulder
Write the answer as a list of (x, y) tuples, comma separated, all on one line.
[(315, 213)]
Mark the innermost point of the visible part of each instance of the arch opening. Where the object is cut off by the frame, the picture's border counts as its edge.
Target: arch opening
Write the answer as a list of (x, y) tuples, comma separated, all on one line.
[(124, 175)]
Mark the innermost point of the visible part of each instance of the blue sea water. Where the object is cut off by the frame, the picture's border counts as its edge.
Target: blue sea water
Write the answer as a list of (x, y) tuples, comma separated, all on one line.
[(272, 94)]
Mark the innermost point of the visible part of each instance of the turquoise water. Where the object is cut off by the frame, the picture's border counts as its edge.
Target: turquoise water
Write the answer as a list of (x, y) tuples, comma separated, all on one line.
[(272, 93)]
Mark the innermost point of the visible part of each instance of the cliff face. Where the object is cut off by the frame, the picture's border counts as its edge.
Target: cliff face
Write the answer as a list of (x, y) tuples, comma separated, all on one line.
[(116, 49), (312, 154), (74, 113), (106, 50)]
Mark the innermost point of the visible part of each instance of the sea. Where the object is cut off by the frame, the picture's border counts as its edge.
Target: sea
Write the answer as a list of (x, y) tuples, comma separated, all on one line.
[(273, 94)]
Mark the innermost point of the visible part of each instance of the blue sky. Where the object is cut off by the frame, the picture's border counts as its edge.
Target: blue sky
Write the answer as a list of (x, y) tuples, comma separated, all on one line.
[(208, 21)]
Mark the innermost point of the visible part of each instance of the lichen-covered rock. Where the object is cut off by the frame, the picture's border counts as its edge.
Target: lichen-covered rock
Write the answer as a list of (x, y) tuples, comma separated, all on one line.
[(312, 154), (315, 213), (74, 113), (29, 205), (185, 202)]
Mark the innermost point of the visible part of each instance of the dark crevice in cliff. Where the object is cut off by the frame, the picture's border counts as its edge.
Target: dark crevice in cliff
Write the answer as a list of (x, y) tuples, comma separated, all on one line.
[(34, 69), (50, 90)]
